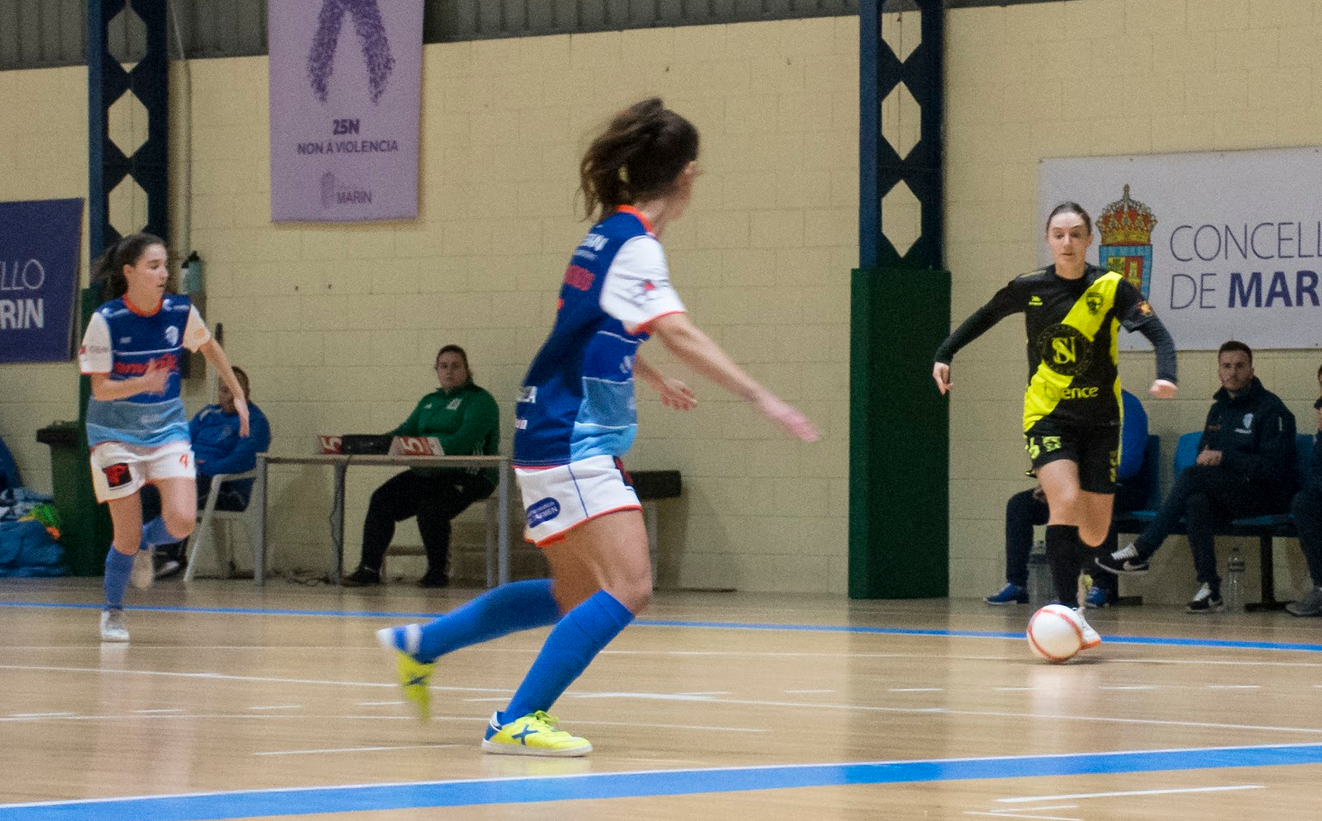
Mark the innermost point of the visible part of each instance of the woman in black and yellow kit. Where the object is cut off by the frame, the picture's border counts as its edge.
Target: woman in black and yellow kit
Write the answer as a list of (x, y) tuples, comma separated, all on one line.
[(466, 420), (1072, 409)]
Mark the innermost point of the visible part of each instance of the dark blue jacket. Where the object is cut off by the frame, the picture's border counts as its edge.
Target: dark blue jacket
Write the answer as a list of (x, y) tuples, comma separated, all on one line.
[(1255, 433), (218, 448)]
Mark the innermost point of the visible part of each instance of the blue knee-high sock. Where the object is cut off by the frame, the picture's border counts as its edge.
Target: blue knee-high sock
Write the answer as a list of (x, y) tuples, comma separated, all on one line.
[(499, 612), (116, 582), (570, 648), (155, 532)]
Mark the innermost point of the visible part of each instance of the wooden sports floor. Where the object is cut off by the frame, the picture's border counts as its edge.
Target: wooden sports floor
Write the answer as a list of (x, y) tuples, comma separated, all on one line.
[(233, 703)]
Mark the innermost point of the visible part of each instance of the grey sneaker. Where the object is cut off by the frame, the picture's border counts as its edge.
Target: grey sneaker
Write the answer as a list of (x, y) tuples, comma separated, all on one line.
[(144, 568), (1310, 605), (113, 627)]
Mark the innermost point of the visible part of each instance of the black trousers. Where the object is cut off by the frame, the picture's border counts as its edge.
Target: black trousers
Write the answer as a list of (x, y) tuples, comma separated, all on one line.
[(434, 499), (1023, 511), (1307, 510), (1206, 495)]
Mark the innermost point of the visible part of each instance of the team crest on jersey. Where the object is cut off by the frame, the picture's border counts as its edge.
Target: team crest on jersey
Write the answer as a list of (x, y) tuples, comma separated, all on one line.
[(454, 404), (1093, 300), (172, 336), (117, 475)]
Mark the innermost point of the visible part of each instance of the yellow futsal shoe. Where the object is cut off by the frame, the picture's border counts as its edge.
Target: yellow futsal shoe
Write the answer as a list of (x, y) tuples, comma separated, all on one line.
[(534, 734), (414, 676)]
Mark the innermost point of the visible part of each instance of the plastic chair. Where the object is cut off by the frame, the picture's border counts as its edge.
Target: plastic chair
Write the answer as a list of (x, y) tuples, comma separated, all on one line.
[(250, 517)]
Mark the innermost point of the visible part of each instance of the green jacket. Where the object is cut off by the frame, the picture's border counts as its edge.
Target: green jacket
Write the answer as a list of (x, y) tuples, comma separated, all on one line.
[(466, 420)]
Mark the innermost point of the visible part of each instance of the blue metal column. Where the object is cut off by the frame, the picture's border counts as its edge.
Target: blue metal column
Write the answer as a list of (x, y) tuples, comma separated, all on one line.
[(107, 81), (900, 311)]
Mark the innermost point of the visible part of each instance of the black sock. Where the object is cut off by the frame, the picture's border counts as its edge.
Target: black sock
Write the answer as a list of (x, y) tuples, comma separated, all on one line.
[(1063, 554)]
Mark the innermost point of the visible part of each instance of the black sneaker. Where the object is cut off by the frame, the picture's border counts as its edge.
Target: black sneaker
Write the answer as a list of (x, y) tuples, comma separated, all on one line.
[(1124, 560), (1206, 600), (169, 568), (362, 577), (433, 578)]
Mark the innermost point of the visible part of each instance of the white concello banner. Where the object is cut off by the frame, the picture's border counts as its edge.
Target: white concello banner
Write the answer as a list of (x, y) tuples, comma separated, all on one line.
[(345, 80), (1224, 246)]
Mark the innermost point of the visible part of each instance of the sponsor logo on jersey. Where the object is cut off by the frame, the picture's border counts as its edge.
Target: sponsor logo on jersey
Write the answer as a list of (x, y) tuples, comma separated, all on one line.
[(520, 424), (1034, 300), (454, 404), (542, 511), (595, 242), (172, 336), (124, 340), (579, 278), (1079, 393), (528, 393), (169, 361)]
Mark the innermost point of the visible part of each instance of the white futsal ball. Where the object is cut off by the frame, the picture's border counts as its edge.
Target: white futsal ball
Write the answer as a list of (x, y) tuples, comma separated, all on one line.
[(1055, 633)]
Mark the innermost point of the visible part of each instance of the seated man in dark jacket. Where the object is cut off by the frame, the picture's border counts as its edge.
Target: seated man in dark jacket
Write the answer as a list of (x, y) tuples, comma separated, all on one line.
[(1245, 467), (1307, 510), (218, 449)]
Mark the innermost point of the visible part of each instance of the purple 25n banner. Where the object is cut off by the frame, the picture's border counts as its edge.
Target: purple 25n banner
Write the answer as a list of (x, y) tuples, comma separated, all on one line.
[(345, 91)]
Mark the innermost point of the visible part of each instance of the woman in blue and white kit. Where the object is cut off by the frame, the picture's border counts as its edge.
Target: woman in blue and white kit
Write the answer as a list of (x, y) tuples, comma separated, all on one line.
[(576, 418), (135, 419)]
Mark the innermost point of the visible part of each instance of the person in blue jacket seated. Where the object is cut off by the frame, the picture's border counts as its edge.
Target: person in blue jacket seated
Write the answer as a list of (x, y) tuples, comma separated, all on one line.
[(218, 449)]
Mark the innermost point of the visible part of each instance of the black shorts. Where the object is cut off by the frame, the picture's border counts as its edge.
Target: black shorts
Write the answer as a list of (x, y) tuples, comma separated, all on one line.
[(1096, 450)]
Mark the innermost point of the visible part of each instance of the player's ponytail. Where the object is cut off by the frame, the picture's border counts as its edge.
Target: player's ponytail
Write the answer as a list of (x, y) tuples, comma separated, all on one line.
[(638, 156), (109, 268)]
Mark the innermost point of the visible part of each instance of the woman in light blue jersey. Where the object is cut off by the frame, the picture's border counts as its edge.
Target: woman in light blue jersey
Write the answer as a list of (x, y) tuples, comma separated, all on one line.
[(136, 425), (576, 418)]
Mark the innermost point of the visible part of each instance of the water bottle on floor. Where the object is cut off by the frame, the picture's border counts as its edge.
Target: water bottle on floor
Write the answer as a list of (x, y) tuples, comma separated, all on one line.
[(1234, 594), (1040, 590)]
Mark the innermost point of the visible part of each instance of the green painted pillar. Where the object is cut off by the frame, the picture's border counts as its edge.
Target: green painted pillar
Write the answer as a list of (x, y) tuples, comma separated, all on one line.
[(899, 473)]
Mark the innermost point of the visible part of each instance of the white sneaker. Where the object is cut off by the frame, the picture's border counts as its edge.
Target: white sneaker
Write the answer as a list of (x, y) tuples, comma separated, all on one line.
[(1090, 636), (144, 569), (113, 627)]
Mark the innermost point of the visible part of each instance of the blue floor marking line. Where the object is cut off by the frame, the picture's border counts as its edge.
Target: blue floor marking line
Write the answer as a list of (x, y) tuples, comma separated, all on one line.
[(1229, 644), (652, 783)]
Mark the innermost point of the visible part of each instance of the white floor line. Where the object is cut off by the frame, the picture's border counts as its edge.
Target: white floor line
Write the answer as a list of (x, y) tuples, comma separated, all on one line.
[(1233, 686), (1172, 791), (916, 690), (227, 677), (376, 703), (162, 710), (1020, 814), (40, 715), (277, 707), (1127, 687), (360, 749), (797, 692)]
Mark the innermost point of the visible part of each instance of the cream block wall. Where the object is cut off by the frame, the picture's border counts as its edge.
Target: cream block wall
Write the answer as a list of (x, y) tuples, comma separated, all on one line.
[(338, 324), (1028, 82)]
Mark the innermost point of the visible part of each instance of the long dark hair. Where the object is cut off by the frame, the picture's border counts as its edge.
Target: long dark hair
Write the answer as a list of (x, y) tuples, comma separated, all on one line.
[(109, 269), (639, 155)]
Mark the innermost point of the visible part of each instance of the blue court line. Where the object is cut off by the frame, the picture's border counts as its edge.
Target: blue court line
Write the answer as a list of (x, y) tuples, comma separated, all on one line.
[(1162, 641), (595, 786)]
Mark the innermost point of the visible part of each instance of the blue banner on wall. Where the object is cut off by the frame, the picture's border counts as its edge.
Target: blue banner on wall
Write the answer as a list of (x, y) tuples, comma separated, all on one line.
[(39, 254)]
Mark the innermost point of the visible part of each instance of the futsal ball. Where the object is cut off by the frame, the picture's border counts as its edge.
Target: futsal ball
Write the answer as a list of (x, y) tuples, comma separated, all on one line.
[(1054, 633)]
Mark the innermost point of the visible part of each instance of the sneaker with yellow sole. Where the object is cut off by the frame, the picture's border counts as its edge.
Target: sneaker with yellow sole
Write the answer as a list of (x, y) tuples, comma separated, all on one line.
[(414, 676), (534, 734)]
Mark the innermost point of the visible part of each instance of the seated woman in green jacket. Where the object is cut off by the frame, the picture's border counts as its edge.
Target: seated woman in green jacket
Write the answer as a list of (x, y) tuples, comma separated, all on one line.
[(466, 420)]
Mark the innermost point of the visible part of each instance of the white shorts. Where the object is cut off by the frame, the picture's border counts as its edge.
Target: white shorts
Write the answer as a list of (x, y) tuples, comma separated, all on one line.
[(557, 499), (120, 470)]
